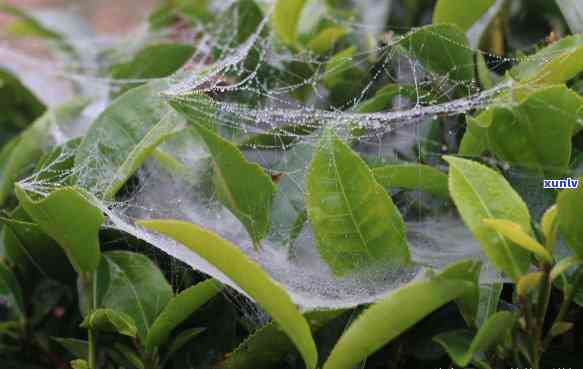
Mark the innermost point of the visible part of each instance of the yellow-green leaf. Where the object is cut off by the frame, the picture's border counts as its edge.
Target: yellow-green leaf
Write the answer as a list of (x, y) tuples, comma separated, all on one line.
[(178, 309), (462, 346), (516, 234), (479, 193), (286, 17), (249, 276), (393, 315)]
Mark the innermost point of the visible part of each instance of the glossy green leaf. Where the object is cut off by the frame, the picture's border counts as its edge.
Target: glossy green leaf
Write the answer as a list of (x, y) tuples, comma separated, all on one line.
[(10, 291), (266, 347), (556, 63), (249, 276), (480, 192), (134, 286), (109, 320), (178, 309), (573, 12), (344, 204), (286, 17), (461, 13), (243, 187), (413, 177), (570, 205), (32, 142), (443, 49), (387, 319), (516, 234), (19, 107), (72, 220), (121, 138), (462, 345)]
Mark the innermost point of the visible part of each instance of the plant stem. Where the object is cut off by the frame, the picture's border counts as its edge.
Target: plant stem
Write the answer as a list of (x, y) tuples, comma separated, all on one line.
[(566, 305), (542, 305), (88, 282)]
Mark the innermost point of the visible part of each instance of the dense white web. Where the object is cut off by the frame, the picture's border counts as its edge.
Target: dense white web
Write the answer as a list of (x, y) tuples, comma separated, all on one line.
[(259, 97)]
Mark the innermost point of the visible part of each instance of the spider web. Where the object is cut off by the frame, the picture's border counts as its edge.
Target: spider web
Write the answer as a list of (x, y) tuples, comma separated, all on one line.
[(252, 98)]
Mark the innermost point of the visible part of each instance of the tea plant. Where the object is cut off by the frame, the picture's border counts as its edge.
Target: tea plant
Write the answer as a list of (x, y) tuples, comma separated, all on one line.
[(298, 184)]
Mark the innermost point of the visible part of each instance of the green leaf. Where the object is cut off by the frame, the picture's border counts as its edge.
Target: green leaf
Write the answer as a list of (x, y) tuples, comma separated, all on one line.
[(516, 234), (468, 303), (135, 286), (130, 356), (266, 347), (182, 339), (154, 61), (549, 226), (279, 138), (443, 49), (338, 67), (121, 138), (243, 187), (77, 347), (324, 41), (560, 328), (286, 18), (573, 12), (480, 192), (556, 63), (72, 220), (18, 105), (462, 346), (461, 13), (109, 320), (31, 143), (388, 318), (489, 301), (413, 177), (383, 98), (26, 25), (570, 205), (79, 364), (528, 283), (530, 135), (178, 309), (345, 204), (30, 249), (249, 276), (10, 291), (563, 265)]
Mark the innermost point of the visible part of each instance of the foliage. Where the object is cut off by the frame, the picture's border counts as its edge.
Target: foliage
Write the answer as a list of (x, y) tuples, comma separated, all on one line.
[(77, 292)]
